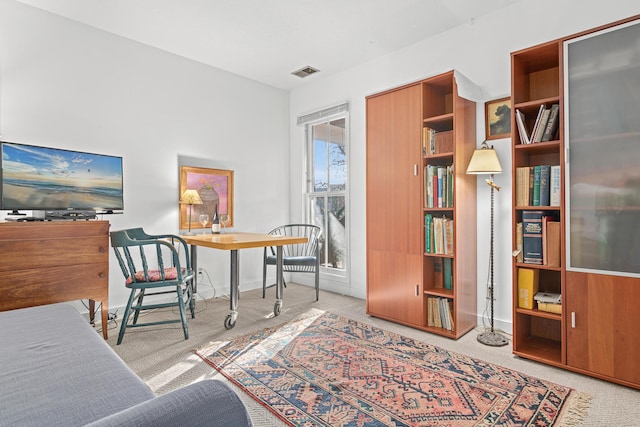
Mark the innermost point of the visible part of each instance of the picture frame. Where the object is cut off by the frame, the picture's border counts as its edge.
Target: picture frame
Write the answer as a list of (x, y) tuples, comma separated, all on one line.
[(497, 115), (215, 187)]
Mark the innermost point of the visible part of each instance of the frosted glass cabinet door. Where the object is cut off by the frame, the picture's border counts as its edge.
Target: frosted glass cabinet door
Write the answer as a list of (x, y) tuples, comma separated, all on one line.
[(602, 133)]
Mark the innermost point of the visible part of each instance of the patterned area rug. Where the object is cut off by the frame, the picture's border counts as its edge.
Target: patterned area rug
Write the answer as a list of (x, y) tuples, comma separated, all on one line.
[(328, 370)]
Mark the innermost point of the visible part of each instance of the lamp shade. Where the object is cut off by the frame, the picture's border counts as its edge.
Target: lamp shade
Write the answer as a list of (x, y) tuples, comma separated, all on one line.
[(191, 197), (484, 161)]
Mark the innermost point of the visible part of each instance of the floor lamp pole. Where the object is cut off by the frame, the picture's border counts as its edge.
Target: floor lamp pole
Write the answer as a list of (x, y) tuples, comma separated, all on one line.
[(492, 338)]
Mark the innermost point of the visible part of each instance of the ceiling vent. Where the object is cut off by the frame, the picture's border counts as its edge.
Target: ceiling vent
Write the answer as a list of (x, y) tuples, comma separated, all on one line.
[(304, 72)]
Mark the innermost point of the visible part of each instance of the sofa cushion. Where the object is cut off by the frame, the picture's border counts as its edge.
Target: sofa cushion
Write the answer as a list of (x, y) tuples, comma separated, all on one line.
[(57, 371)]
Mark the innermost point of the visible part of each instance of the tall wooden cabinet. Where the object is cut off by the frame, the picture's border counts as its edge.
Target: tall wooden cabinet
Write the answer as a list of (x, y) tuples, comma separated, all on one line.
[(597, 331), (403, 279)]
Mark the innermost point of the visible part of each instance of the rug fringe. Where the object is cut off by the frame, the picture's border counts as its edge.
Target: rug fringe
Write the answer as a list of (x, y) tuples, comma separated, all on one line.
[(576, 410)]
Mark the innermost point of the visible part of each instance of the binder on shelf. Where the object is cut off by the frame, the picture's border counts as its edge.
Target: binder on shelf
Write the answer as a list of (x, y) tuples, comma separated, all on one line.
[(527, 287)]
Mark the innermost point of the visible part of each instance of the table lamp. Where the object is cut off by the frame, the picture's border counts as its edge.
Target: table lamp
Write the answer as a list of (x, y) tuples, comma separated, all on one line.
[(190, 197), (485, 162)]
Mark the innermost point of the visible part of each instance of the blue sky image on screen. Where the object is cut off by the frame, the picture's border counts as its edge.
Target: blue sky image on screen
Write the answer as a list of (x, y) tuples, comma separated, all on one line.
[(47, 178)]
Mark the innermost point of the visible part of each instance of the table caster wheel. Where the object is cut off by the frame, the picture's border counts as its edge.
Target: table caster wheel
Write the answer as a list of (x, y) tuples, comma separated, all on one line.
[(229, 323), (276, 309)]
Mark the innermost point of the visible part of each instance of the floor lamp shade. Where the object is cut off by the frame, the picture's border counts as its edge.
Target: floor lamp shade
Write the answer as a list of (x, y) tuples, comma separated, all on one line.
[(485, 162), (190, 197)]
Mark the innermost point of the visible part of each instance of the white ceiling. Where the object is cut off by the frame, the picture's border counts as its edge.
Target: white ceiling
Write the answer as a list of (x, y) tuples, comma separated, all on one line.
[(266, 40)]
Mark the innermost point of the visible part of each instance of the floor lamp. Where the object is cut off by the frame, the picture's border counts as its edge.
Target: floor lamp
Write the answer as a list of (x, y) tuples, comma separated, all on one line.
[(485, 162), (190, 197)]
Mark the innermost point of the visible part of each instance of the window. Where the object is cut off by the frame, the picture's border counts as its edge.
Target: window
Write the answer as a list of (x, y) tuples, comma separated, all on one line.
[(326, 192)]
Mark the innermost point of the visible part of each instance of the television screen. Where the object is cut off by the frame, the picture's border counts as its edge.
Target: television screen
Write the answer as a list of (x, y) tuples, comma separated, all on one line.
[(41, 178)]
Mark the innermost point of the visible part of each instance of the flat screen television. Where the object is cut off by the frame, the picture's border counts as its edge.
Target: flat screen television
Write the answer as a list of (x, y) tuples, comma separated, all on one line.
[(43, 178)]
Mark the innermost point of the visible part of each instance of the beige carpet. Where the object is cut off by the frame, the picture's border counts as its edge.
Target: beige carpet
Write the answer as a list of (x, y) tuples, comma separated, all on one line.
[(165, 361)]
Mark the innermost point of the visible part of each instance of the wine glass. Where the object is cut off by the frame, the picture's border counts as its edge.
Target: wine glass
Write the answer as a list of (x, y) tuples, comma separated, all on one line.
[(204, 219), (224, 220)]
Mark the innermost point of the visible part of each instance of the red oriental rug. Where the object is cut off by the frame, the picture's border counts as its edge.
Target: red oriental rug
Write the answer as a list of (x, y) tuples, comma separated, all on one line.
[(328, 370)]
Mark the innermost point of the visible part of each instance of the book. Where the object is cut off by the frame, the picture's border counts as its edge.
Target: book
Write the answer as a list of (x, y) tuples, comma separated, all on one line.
[(552, 123), (428, 140), (545, 172), (541, 125), (522, 127), (438, 273), (535, 201), (450, 182), (522, 186), (532, 236), (550, 307), (553, 244), (527, 287), (554, 185), (536, 123), (428, 225), (447, 264), (519, 248), (440, 193), (531, 177), (448, 236)]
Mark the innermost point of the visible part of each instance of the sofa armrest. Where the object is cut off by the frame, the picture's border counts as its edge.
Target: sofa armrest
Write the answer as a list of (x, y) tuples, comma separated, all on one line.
[(205, 403)]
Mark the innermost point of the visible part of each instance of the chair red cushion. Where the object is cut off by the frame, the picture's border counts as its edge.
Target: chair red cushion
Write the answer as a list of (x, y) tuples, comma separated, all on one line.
[(170, 273)]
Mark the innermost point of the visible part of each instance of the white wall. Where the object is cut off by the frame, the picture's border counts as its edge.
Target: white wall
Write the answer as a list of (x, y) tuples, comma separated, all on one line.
[(70, 86), (481, 51)]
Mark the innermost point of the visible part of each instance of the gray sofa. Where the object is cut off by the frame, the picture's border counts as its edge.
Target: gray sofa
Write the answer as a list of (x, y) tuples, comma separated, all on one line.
[(55, 370)]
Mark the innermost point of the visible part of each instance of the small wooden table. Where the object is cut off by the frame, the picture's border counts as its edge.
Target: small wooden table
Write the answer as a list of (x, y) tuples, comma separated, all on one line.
[(232, 242)]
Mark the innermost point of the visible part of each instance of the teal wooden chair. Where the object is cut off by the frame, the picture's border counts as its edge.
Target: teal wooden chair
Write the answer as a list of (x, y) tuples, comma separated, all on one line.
[(154, 265)]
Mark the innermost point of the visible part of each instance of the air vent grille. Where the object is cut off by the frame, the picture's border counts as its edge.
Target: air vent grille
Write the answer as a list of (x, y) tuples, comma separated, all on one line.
[(305, 71)]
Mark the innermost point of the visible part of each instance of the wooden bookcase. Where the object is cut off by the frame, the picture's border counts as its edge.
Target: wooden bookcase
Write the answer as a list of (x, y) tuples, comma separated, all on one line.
[(597, 331), (536, 80), (401, 276)]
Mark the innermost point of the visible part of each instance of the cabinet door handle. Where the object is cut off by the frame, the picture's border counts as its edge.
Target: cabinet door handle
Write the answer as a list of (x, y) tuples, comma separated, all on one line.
[(101, 250), (417, 290), (101, 275), (573, 319), (415, 169)]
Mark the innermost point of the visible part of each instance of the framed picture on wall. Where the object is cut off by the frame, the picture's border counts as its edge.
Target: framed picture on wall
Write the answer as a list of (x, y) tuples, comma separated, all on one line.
[(497, 115), (215, 188)]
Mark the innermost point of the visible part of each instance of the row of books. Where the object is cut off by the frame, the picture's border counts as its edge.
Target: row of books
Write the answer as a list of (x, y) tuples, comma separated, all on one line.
[(538, 185), (440, 313), (438, 186), (538, 239), (443, 273), (545, 128), (438, 235), (434, 142)]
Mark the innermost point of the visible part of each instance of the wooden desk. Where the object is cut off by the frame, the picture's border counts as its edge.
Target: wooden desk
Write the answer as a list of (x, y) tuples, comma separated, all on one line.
[(54, 261), (232, 242)]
